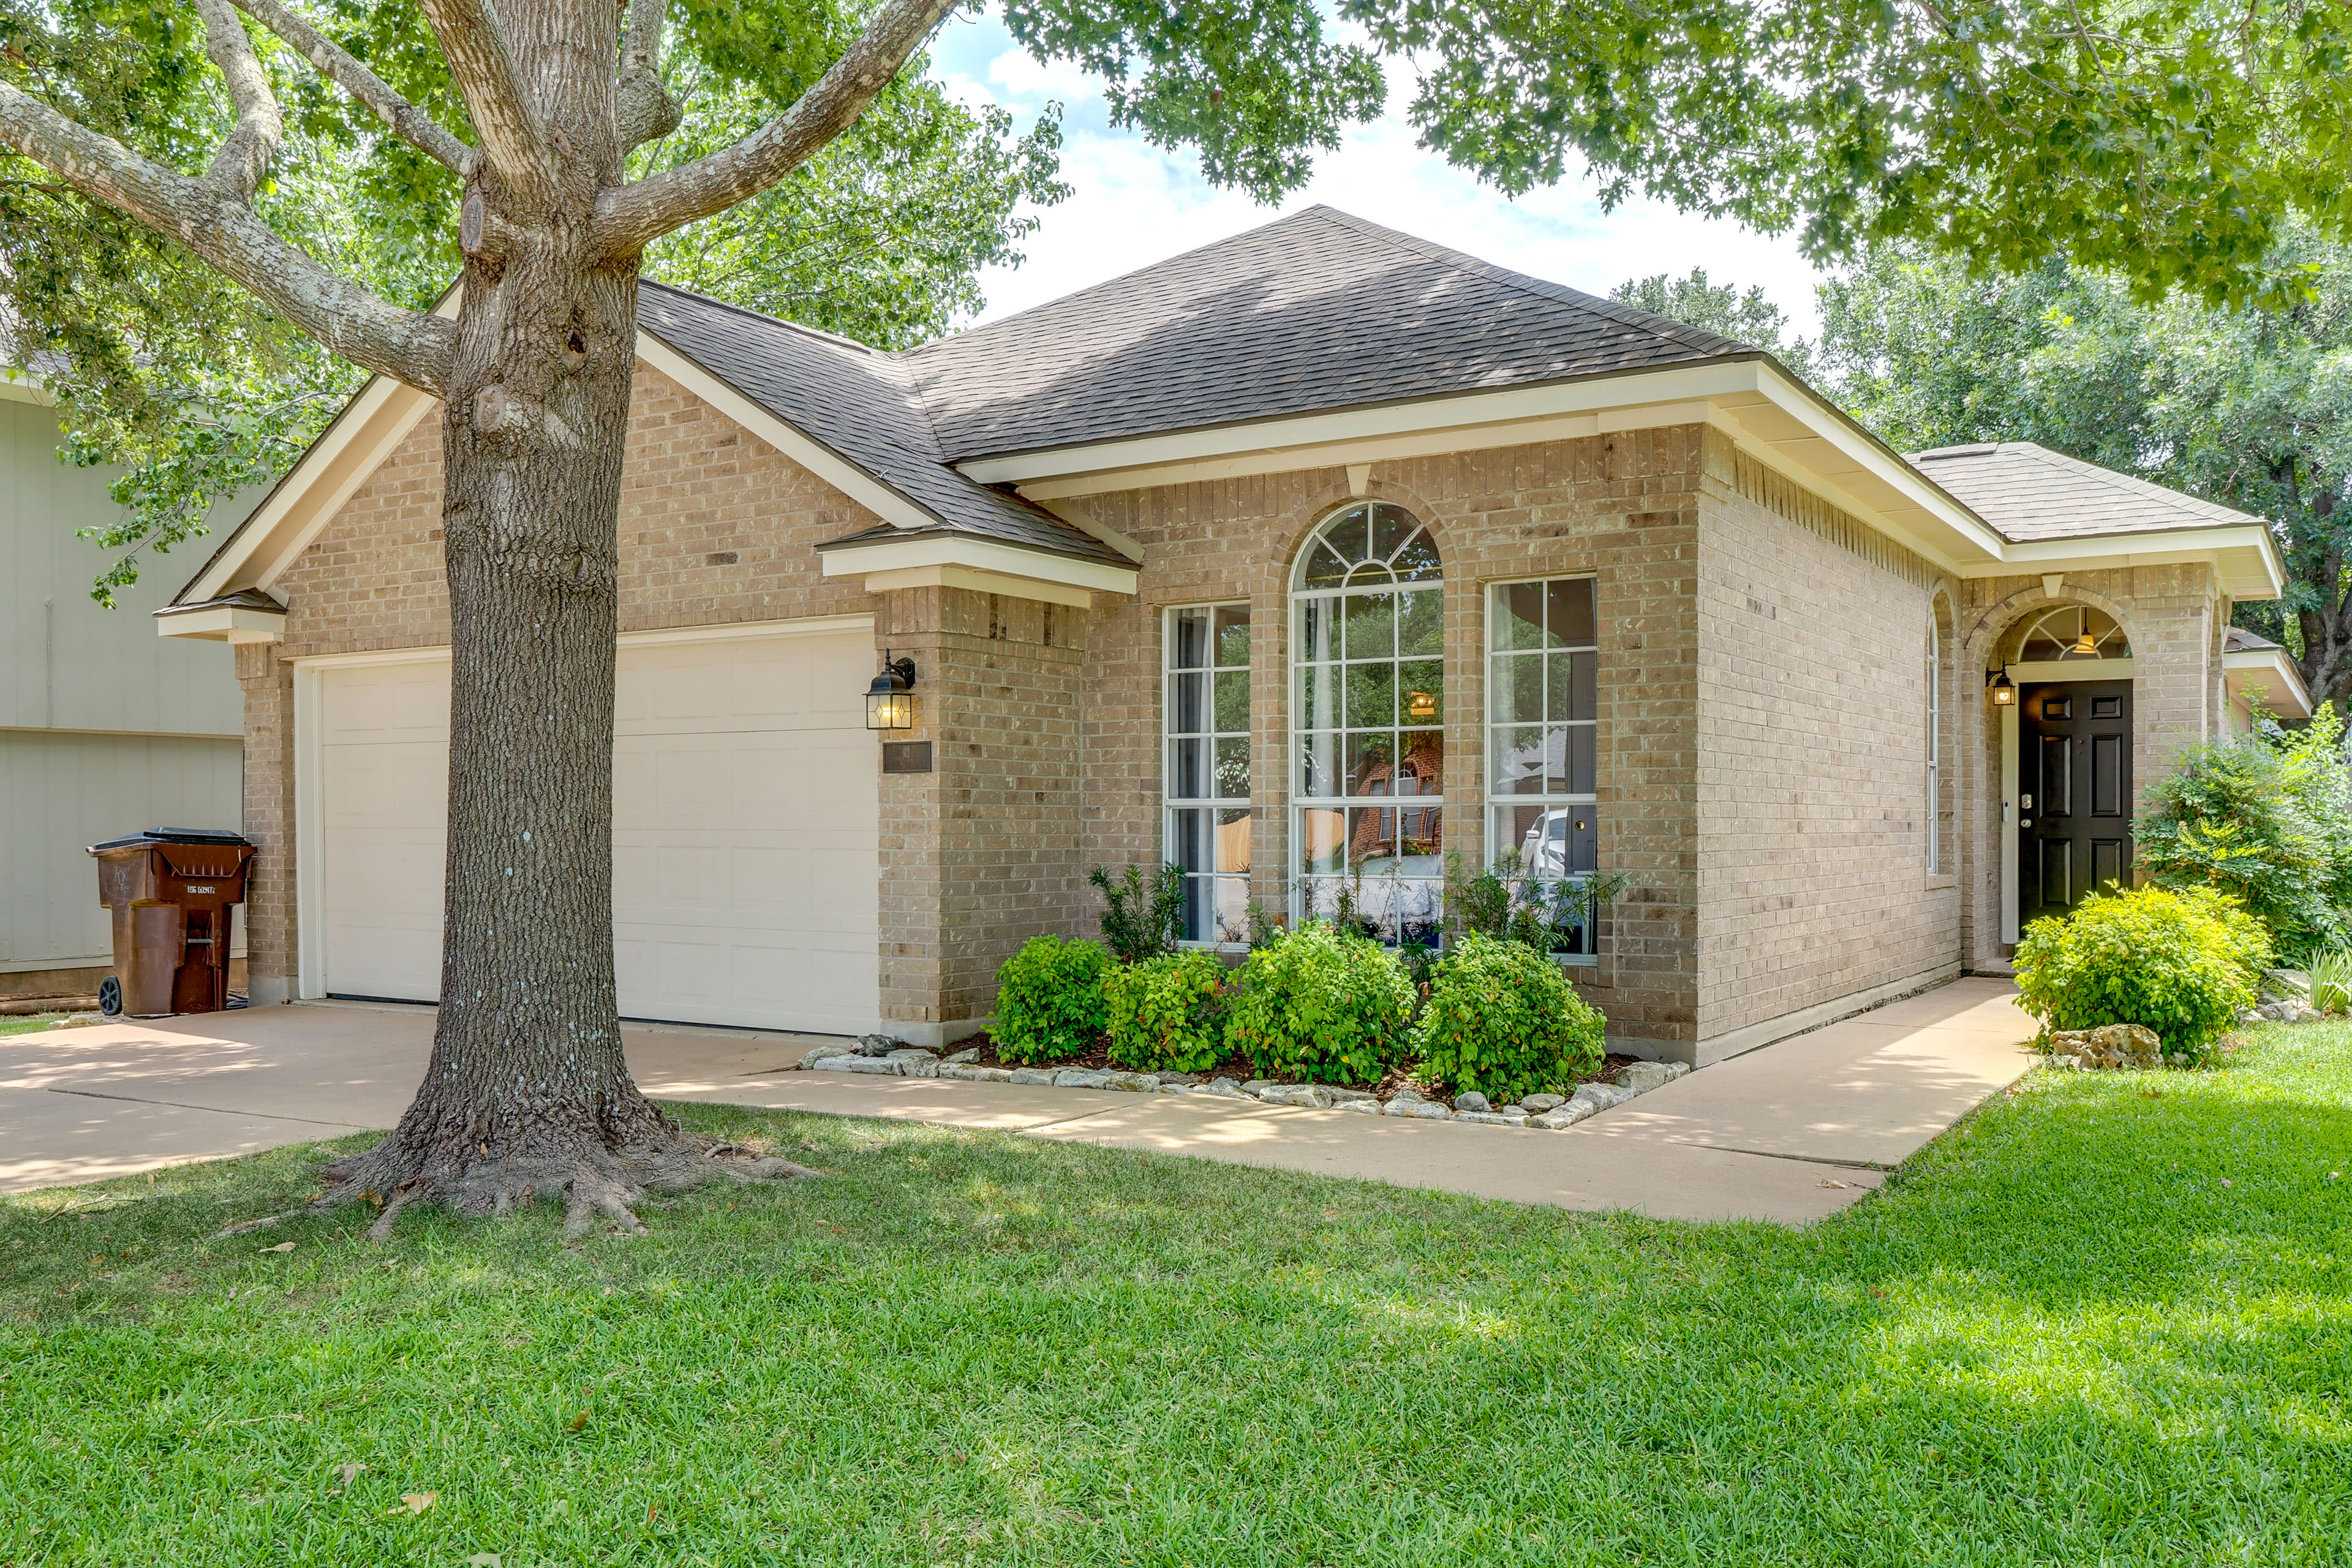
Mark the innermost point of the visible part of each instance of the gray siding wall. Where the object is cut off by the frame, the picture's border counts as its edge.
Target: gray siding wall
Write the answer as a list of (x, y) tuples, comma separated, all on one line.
[(105, 728)]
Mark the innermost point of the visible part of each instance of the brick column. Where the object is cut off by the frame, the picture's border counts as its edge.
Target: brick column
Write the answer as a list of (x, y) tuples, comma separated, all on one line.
[(271, 959), (984, 852)]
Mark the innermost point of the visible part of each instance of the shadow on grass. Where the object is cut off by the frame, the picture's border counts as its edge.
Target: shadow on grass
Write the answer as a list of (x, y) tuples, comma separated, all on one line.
[(2058, 1336)]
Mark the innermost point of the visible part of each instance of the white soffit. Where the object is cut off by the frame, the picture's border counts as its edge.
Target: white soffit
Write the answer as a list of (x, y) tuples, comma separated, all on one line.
[(2270, 676), (223, 623), (934, 556)]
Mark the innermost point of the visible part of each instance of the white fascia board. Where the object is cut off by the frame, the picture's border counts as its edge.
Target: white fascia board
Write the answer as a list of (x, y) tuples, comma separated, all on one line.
[(980, 555), (979, 583), (329, 473), (21, 387), (2272, 672), (2246, 557), (1455, 412), (857, 483), (1876, 459), (224, 623)]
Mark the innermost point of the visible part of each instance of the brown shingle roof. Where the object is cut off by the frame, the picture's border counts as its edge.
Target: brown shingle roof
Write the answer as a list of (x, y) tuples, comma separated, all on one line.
[(2028, 492)]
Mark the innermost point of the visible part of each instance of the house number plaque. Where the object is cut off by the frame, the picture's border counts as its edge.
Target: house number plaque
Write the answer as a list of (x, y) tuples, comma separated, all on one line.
[(906, 756)]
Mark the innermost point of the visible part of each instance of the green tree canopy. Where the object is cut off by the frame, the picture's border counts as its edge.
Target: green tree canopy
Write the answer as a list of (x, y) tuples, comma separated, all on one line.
[(2248, 407), (193, 390), (2168, 140)]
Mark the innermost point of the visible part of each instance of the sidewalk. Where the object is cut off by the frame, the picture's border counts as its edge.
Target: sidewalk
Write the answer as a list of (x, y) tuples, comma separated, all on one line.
[(1788, 1133)]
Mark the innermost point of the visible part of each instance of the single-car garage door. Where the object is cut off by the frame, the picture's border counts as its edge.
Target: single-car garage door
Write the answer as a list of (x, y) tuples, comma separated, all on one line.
[(744, 831)]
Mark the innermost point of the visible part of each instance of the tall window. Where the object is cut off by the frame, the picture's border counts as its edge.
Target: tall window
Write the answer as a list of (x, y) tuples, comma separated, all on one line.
[(1934, 749), (1369, 797), (1208, 779), (1543, 698)]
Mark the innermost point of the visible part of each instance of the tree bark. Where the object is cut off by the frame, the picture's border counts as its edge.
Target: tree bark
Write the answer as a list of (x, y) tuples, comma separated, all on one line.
[(528, 1094)]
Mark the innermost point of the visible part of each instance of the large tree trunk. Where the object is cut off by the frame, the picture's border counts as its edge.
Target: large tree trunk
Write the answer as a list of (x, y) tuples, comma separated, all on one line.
[(528, 1095)]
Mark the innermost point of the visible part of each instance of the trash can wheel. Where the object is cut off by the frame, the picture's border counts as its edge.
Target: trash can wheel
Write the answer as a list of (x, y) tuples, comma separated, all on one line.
[(109, 997)]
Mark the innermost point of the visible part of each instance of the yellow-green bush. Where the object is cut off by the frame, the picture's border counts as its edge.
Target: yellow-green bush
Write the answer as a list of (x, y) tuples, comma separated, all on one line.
[(1166, 1012), (2182, 963), (1502, 1019), (1049, 1000), (1321, 1004)]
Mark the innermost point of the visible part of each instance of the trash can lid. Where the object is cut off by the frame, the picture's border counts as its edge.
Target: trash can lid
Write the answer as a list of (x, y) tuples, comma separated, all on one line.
[(175, 836)]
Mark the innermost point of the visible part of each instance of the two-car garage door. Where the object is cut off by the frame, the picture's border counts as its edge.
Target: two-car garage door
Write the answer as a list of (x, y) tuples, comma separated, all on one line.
[(744, 832)]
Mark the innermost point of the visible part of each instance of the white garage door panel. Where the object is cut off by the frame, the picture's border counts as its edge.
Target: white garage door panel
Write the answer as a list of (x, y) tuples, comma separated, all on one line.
[(744, 835)]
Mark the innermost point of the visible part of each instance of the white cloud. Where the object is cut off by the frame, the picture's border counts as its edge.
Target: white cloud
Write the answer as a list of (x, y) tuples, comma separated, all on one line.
[(1133, 205)]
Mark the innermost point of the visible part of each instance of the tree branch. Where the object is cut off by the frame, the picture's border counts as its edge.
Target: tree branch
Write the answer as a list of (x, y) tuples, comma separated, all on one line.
[(487, 76), (646, 109), (244, 153), (221, 230), (407, 122), (629, 217)]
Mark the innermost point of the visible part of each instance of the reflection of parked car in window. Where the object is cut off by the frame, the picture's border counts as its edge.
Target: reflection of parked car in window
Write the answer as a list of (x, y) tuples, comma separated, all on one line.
[(1545, 850)]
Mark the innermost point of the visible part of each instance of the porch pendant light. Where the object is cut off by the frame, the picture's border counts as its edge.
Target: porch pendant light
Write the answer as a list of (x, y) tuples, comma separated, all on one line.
[(891, 700), (2004, 695), (2086, 645)]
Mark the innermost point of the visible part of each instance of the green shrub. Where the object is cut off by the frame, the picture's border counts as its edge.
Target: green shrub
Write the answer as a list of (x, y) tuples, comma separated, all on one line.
[(1502, 1019), (2266, 818), (1320, 1004), (1141, 920), (1049, 1000), (2181, 963), (2331, 981), (1167, 1013)]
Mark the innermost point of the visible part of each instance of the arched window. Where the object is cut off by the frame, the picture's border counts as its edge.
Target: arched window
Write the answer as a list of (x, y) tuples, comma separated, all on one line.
[(1367, 814), (2071, 633)]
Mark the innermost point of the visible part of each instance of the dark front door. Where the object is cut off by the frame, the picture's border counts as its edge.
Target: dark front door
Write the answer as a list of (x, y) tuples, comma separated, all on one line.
[(2073, 794)]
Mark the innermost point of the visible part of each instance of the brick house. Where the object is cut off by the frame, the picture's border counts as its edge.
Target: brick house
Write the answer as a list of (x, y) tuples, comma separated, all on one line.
[(1305, 559)]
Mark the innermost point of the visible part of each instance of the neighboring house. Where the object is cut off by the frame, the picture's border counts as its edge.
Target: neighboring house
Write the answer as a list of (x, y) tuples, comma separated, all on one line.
[(1320, 551), (105, 728)]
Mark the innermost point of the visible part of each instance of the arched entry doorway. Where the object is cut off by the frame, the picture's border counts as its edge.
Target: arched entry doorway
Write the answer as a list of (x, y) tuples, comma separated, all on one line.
[(2067, 759)]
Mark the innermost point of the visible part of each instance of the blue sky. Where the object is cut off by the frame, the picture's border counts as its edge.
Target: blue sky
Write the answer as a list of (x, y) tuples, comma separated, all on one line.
[(1134, 204)]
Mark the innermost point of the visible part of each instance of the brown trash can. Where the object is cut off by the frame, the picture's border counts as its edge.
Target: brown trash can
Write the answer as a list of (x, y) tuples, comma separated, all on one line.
[(171, 891)]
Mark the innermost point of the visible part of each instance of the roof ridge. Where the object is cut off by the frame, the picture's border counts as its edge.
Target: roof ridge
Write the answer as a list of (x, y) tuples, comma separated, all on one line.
[(911, 356), (868, 349), (1541, 288)]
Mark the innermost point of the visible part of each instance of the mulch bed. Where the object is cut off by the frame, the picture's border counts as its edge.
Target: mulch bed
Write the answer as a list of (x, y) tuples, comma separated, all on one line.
[(1239, 1068)]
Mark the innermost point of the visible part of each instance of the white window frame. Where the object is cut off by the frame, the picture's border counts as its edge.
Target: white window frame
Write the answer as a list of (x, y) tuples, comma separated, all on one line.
[(1935, 746), (1492, 727), (1405, 897), (1232, 934)]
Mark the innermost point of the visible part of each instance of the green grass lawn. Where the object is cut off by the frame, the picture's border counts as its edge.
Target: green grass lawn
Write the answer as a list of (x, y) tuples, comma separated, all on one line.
[(27, 1022), (2107, 1320)]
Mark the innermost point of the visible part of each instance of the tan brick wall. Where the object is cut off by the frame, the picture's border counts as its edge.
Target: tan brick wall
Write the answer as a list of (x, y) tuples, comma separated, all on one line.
[(695, 486), (1623, 507), (272, 955), (984, 852), (1814, 882)]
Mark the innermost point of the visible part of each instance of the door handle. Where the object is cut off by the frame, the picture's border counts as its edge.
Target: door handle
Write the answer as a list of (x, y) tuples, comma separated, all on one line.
[(2025, 822)]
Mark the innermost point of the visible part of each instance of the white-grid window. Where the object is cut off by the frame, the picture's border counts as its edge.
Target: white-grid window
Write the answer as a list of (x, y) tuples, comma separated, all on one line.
[(1543, 703), (1207, 705), (1934, 749), (1367, 819)]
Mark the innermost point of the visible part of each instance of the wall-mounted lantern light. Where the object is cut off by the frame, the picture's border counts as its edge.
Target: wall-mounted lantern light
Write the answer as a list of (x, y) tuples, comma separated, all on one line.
[(891, 700), (2004, 695)]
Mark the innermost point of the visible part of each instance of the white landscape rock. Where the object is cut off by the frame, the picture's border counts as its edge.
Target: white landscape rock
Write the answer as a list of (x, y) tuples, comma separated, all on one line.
[(1473, 1103), (1303, 1096), (1131, 1083), (970, 1074), (1081, 1078), (817, 1054), (1040, 1075), (915, 1062), (1370, 1105), (1640, 1077)]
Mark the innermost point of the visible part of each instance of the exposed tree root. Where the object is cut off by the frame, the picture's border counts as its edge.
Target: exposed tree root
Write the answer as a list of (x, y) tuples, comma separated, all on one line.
[(599, 1181)]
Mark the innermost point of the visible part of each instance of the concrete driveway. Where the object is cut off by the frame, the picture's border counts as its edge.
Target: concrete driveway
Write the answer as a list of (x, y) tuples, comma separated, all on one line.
[(1787, 1133)]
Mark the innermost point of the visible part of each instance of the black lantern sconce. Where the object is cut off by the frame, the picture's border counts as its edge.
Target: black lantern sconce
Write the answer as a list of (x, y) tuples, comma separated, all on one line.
[(2004, 694), (891, 700)]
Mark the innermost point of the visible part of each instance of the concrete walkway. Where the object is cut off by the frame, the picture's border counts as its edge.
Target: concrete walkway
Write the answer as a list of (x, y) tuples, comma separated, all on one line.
[(1787, 1133)]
